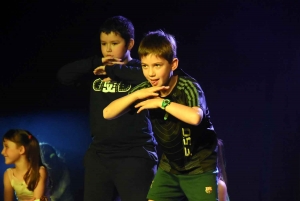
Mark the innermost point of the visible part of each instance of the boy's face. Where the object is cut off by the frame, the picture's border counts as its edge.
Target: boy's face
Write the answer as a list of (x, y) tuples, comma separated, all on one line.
[(158, 70), (10, 151), (113, 45)]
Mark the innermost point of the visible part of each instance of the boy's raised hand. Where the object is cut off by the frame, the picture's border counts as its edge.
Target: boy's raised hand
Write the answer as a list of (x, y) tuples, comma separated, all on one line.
[(152, 103), (110, 60), (149, 92), (107, 61), (152, 95), (100, 70)]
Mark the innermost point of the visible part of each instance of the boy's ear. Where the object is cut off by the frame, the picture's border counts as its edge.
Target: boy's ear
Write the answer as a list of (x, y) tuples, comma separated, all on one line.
[(130, 44), (175, 64)]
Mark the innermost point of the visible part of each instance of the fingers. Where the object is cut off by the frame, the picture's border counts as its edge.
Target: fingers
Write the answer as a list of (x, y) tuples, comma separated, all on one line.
[(118, 62), (137, 105), (106, 79), (111, 58), (156, 88), (140, 106), (164, 87), (108, 60), (152, 94), (160, 87), (140, 109), (97, 72), (147, 94), (100, 70)]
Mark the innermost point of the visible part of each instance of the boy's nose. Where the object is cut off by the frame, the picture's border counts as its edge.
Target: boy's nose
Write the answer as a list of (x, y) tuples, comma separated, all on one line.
[(151, 72), (108, 48)]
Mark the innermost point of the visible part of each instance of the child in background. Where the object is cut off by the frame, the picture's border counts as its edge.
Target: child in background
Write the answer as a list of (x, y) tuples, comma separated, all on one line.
[(60, 189), (181, 123), (28, 178), (222, 176)]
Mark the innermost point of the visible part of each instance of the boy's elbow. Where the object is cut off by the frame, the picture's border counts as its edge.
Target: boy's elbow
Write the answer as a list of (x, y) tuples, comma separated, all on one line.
[(105, 114), (196, 119)]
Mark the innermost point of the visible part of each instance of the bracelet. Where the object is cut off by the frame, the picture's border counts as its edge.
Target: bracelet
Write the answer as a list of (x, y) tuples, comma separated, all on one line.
[(165, 103)]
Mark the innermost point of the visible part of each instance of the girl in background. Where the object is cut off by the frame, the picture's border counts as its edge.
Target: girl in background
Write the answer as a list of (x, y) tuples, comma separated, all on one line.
[(27, 179)]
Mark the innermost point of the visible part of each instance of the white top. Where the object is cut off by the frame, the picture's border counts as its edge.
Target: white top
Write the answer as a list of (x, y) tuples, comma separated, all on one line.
[(20, 187)]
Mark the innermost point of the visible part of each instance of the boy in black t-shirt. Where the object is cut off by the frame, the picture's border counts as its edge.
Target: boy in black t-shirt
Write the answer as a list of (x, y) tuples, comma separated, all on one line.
[(180, 120), (115, 164)]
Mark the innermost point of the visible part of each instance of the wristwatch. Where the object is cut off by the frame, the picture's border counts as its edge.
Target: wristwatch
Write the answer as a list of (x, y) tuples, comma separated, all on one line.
[(165, 103)]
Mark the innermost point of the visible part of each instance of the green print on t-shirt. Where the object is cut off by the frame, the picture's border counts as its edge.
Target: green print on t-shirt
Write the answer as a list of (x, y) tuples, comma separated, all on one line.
[(110, 86)]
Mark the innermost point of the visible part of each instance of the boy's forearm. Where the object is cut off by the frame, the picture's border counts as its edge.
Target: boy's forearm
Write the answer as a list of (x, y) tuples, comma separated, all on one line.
[(119, 106), (72, 73), (131, 74), (190, 115)]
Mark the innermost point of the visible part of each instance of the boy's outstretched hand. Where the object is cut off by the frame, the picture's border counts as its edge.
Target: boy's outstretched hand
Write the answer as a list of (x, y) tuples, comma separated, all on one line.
[(150, 92), (149, 104), (110, 60), (153, 100), (100, 70)]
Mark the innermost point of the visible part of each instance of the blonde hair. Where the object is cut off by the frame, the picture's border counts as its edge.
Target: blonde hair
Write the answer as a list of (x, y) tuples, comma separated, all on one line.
[(160, 44)]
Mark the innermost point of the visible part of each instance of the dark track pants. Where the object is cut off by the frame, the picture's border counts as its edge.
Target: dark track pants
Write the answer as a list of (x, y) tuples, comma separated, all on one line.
[(108, 179)]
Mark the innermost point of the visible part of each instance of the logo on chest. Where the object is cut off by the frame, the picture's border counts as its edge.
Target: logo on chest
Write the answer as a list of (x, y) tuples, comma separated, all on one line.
[(111, 86)]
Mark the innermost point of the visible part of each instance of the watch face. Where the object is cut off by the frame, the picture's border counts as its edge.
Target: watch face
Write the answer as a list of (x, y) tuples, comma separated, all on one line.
[(165, 103)]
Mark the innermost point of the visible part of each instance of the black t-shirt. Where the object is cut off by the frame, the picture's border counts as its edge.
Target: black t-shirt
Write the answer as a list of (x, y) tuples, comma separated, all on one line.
[(187, 149), (123, 133)]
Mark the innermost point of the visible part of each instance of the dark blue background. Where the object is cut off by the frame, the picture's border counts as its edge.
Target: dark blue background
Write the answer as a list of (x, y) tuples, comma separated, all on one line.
[(245, 54)]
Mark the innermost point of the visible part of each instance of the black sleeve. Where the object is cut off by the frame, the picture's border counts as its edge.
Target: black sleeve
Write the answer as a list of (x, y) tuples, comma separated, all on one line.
[(131, 73), (76, 72), (194, 94)]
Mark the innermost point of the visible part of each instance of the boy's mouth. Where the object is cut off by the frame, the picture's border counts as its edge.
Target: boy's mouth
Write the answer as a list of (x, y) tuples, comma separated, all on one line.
[(154, 82)]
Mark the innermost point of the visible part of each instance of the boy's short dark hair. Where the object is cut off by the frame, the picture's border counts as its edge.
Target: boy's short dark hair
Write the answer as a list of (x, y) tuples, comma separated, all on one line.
[(119, 25), (160, 44)]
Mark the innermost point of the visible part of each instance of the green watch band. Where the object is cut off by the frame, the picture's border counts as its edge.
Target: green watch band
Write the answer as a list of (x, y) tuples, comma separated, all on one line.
[(165, 103)]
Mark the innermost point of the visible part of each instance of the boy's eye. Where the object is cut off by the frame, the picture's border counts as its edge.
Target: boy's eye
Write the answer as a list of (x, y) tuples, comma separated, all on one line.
[(103, 44), (144, 66), (115, 43)]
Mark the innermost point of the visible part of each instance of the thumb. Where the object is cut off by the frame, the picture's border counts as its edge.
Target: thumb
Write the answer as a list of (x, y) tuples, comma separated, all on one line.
[(107, 79)]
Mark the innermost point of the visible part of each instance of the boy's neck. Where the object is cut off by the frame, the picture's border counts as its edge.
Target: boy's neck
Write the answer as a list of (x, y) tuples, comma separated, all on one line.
[(171, 84), (127, 57)]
